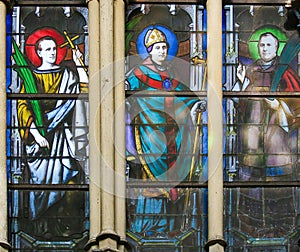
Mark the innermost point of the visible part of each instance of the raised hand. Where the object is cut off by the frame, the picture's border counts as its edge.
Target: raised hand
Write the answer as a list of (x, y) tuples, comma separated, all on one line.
[(241, 72), (77, 56)]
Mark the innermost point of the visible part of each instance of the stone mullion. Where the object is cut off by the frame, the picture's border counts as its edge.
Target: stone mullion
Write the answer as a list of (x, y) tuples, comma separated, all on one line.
[(4, 245), (215, 126), (94, 119), (108, 236), (119, 122)]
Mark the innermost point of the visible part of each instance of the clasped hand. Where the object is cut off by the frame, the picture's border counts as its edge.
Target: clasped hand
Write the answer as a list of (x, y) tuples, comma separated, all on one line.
[(198, 107), (272, 103)]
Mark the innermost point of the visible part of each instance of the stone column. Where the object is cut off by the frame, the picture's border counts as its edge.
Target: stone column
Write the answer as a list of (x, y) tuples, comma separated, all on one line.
[(119, 122), (94, 118), (108, 236), (107, 143), (4, 245), (215, 127)]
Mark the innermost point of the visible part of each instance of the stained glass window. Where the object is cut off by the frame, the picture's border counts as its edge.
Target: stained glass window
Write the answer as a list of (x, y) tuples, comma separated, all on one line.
[(261, 104), (47, 128), (166, 127)]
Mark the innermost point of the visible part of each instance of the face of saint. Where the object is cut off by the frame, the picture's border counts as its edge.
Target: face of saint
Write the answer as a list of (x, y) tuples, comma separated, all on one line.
[(47, 52), (159, 52), (267, 48)]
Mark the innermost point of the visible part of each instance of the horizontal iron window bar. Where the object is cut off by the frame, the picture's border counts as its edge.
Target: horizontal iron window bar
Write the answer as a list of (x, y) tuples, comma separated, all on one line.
[(161, 124), (203, 2), (49, 187), (11, 96), (256, 2), (50, 2), (226, 94), (157, 154), (146, 93), (241, 184), (12, 33), (237, 154), (263, 184), (230, 94), (68, 127), (156, 184), (16, 157), (164, 184)]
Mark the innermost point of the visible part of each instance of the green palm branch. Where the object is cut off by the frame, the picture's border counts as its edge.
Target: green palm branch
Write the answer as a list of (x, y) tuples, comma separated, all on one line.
[(26, 75)]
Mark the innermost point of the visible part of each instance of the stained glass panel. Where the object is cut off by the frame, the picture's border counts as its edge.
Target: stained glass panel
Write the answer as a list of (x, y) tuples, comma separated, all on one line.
[(261, 130), (166, 127), (47, 128)]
